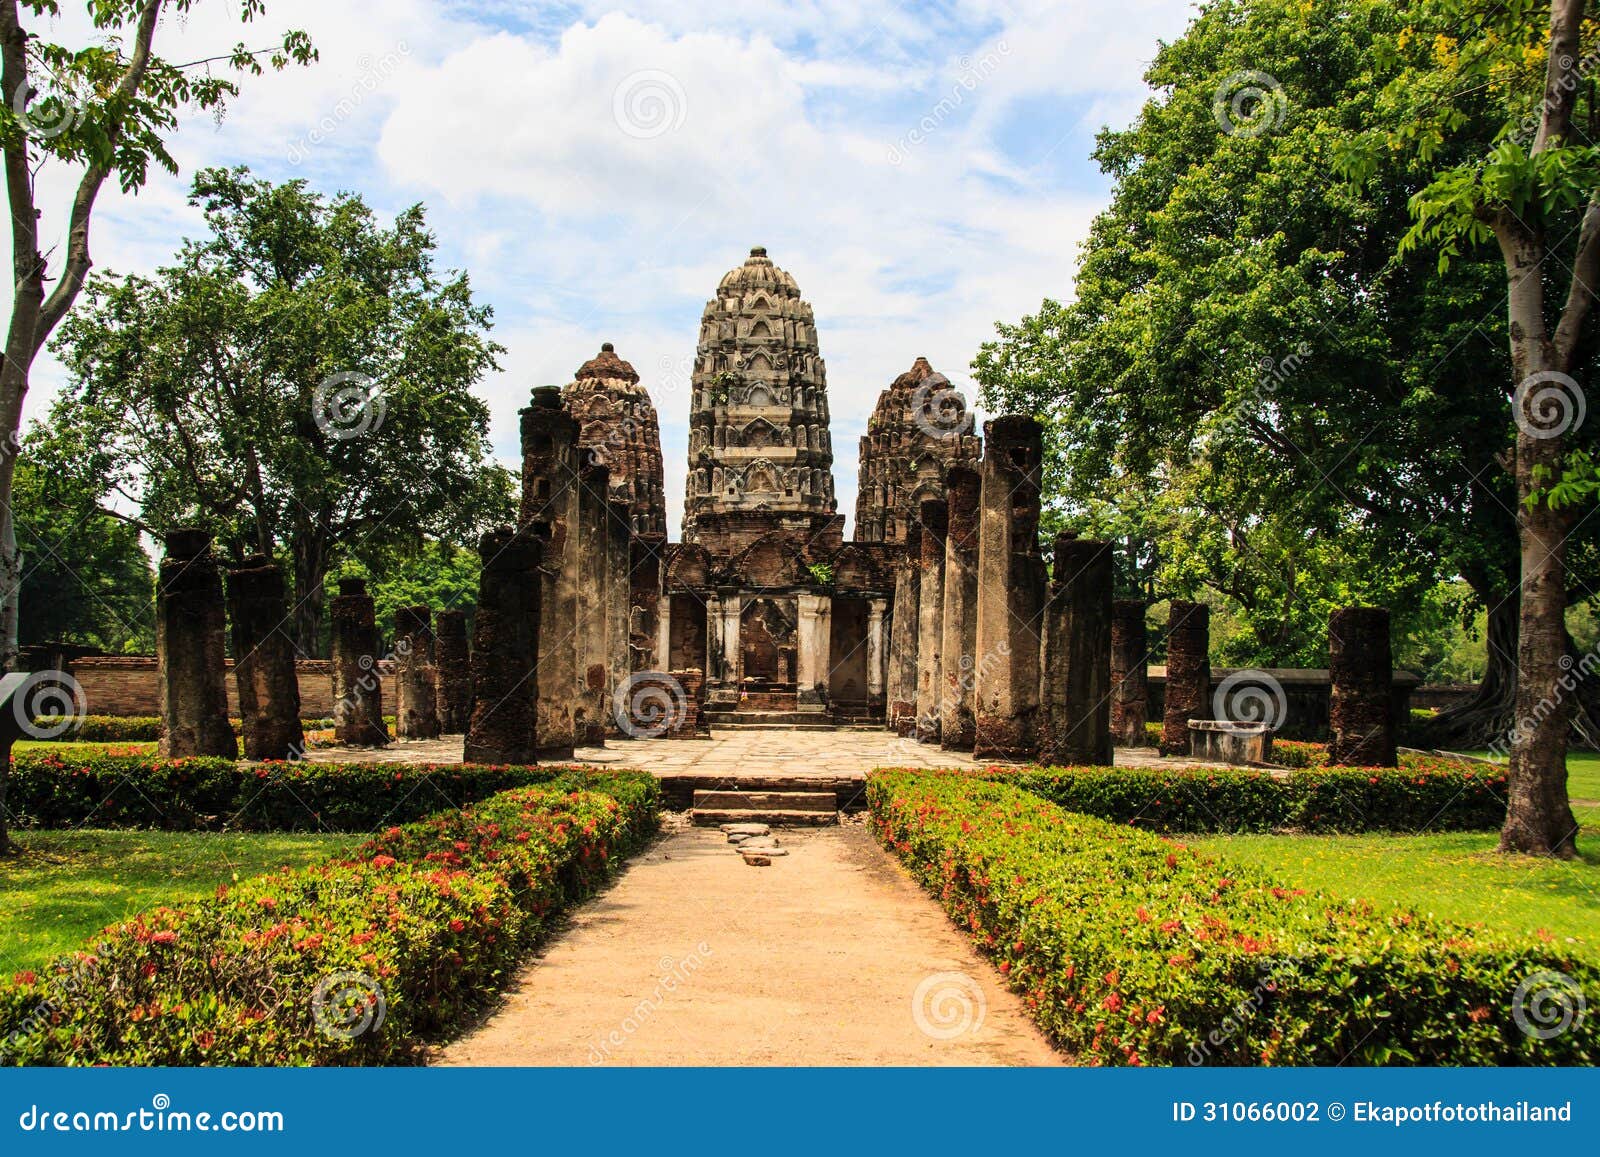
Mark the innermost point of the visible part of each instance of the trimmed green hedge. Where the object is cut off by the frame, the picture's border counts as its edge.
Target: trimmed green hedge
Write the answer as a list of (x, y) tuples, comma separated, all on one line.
[(1437, 794), (354, 961), (54, 789), (140, 728), (1132, 949)]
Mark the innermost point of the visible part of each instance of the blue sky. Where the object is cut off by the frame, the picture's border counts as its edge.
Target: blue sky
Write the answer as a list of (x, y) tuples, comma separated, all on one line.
[(921, 169)]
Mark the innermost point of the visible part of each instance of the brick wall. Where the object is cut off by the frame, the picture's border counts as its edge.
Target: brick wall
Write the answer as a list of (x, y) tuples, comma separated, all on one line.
[(126, 685)]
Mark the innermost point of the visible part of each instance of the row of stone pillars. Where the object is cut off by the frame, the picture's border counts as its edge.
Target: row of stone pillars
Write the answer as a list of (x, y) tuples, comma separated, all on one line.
[(431, 661), (988, 656)]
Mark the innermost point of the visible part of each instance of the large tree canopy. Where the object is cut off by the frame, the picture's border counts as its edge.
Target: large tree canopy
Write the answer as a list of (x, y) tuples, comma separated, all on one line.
[(299, 381), (1252, 387)]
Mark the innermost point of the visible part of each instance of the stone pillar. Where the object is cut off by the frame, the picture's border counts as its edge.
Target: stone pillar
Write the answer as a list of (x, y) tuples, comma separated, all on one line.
[(1361, 666), (663, 657), (1075, 666), (903, 630), (550, 497), (416, 707), (357, 684), (1188, 693), (959, 623), (722, 647), (453, 662), (1011, 591), (504, 727), (619, 607), (263, 662), (877, 609), (814, 651), (934, 516), (191, 626), (1130, 691), (594, 586), (648, 639)]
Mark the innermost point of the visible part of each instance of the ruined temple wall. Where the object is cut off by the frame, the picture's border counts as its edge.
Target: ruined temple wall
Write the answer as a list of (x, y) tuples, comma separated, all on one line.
[(550, 501)]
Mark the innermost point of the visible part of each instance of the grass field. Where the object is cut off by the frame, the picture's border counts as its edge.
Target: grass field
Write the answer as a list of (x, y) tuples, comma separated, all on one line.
[(65, 886), (134, 748), (1457, 875)]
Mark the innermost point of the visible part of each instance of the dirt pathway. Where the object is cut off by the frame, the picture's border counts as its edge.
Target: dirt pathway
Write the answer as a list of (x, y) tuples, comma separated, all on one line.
[(831, 956)]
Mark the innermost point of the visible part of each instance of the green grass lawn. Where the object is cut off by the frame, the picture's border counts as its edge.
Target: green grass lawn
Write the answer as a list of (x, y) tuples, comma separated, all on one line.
[(65, 886), (1456, 875), (127, 748)]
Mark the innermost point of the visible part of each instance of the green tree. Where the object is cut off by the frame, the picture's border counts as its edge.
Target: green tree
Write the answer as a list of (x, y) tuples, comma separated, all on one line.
[(86, 579), (299, 381), (1252, 388), (96, 110), (1534, 197), (440, 574)]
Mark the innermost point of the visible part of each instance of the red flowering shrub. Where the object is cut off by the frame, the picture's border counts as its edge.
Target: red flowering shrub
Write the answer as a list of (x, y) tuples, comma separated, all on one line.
[(1133, 949), (1425, 792), (351, 961)]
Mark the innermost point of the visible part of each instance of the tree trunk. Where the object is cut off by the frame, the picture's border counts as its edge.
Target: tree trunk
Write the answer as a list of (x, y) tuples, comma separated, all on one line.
[(310, 568), (1485, 720)]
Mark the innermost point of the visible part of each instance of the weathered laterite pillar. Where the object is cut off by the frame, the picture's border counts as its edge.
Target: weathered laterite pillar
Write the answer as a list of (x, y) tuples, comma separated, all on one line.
[(594, 586), (1188, 692), (453, 663), (505, 642), (263, 662), (550, 496), (1361, 711), (1075, 688), (645, 650), (416, 697), (357, 684), (191, 626), (619, 607), (904, 628), (935, 518), (1011, 591), (959, 628), (1130, 689)]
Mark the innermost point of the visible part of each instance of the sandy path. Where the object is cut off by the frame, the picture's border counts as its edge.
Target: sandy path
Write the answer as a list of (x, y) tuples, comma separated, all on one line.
[(695, 958)]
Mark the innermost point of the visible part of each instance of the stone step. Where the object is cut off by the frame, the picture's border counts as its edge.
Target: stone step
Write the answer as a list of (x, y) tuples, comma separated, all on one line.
[(808, 726), (777, 817), (726, 718), (798, 801)]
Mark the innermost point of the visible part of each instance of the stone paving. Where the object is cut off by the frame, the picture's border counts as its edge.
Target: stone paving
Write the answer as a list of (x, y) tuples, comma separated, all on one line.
[(822, 754)]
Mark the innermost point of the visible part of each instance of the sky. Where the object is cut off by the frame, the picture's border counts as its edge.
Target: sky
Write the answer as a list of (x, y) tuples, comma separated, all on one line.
[(922, 170)]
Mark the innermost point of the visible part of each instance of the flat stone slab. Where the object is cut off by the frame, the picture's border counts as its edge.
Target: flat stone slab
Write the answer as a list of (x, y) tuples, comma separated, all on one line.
[(799, 801), (756, 860), (745, 829), (703, 817)]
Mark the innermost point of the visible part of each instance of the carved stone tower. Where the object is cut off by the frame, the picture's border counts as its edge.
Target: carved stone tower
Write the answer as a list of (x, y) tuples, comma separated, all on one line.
[(760, 455), (617, 424)]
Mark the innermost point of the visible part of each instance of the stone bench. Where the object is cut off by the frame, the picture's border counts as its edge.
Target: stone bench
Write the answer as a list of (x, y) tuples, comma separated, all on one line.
[(1229, 742)]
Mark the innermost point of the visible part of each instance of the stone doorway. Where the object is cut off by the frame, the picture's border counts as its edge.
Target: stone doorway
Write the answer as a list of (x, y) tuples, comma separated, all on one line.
[(767, 643), (686, 644), (847, 650)]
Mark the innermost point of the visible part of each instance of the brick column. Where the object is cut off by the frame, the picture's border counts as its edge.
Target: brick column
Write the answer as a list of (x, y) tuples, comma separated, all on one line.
[(453, 663), (1361, 710), (619, 605), (1011, 591), (934, 516), (550, 497), (191, 626), (357, 684), (416, 706), (503, 728), (904, 626), (1130, 690), (959, 640), (1188, 693), (594, 587), (1075, 688), (263, 662)]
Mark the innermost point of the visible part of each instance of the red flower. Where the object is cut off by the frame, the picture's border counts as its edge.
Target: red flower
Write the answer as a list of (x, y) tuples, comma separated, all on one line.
[(383, 861), (456, 925), (163, 937)]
